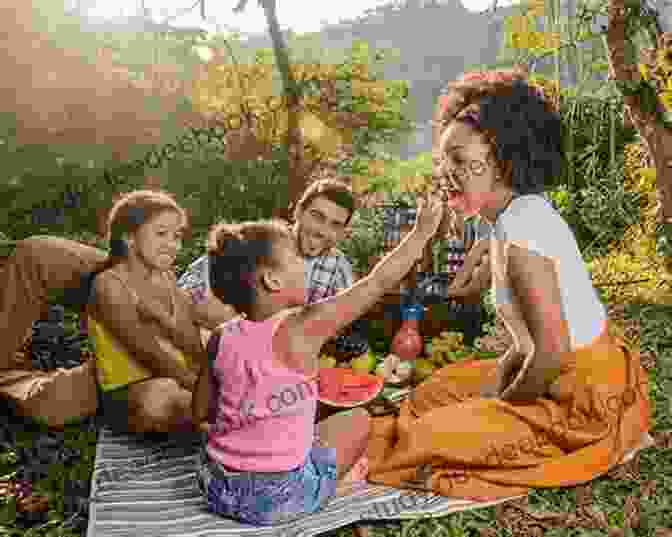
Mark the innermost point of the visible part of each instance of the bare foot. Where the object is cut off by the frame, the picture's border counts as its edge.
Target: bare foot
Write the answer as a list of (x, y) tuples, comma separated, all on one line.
[(358, 472)]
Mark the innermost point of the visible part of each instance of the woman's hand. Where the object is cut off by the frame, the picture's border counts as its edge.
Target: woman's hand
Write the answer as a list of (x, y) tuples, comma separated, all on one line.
[(476, 274), (503, 371), (508, 367)]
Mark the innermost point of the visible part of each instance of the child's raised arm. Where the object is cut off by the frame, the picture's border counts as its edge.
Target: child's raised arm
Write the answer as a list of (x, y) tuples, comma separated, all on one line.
[(315, 323)]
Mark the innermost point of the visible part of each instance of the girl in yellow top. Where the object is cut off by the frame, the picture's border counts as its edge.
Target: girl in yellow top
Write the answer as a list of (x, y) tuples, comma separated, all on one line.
[(148, 349)]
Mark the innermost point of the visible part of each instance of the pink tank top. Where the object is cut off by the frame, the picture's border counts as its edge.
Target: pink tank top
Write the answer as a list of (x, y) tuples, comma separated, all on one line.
[(265, 412)]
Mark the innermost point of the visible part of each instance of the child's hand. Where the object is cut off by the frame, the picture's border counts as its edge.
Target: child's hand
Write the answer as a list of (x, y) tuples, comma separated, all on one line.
[(430, 214)]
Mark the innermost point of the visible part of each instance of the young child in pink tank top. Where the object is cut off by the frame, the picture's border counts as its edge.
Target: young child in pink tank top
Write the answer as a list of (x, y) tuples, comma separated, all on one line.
[(264, 462)]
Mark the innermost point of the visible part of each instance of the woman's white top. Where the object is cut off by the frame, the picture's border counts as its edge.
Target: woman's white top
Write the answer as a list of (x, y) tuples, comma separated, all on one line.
[(532, 222)]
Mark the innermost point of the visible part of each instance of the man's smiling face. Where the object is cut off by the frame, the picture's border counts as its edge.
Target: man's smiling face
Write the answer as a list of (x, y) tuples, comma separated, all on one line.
[(320, 226)]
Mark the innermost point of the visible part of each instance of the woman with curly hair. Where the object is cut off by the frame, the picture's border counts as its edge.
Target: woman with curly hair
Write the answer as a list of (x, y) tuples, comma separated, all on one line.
[(568, 401)]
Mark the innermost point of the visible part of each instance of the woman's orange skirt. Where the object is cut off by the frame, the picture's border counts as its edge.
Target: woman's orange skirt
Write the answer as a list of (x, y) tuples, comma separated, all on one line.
[(449, 440)]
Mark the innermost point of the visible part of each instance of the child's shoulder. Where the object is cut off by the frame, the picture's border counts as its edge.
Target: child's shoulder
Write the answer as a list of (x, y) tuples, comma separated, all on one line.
[(232, 326), (292, 320)]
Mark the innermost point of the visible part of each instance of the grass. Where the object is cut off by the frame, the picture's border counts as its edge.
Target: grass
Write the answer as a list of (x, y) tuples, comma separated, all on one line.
[(633, 500)]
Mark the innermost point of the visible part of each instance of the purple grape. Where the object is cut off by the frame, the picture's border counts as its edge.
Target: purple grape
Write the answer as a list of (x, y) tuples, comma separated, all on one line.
[(24, 488)]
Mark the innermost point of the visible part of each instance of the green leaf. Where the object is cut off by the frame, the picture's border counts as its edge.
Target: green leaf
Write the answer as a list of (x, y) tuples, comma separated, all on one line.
[(8, 511), (600, 66), (629, 88)]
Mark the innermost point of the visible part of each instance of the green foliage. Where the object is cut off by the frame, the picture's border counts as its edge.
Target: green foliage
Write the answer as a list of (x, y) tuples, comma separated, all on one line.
[(590, 193), (193, 168), (648, 98), (603, 211), (366, 239), (664, 240), (420, 166), (580, 49)]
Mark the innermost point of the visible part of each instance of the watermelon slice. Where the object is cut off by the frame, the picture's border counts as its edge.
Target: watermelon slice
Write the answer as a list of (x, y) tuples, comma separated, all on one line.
[(343, 388)]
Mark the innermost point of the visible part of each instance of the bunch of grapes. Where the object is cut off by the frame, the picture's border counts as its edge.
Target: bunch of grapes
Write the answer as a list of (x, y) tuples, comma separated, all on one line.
[(51, 348), (446, 349), (46, 452)]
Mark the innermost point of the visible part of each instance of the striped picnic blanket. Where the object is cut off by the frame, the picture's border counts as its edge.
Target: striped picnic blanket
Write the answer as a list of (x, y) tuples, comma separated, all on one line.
[(145, 485)]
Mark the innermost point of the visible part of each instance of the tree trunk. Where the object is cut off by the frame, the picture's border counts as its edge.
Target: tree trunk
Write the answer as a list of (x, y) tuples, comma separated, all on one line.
[(296, 179), (657, 138)]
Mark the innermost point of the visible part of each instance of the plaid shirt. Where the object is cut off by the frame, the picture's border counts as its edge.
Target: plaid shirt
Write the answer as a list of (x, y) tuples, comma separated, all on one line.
[(326, 275), (196, 279)]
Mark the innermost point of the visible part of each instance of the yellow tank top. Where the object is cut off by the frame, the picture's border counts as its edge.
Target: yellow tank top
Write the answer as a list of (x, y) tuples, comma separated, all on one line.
[(115, 366)]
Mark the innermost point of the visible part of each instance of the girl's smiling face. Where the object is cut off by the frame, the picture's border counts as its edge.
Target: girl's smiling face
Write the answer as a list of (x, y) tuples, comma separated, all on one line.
[(465, 167), (158, 240)]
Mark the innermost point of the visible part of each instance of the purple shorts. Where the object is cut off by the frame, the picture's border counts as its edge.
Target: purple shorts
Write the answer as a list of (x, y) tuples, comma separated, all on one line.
[(268, 498)]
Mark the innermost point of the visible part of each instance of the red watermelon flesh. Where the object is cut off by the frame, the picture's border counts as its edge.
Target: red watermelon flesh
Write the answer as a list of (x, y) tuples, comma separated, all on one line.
[(340, 386)]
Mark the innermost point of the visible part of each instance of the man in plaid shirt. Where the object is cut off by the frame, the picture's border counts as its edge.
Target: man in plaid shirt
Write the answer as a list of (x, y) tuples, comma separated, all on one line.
[(321, 218)]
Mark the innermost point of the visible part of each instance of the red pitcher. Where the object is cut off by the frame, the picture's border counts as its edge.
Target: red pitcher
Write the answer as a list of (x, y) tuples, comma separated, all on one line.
[(407, 343)]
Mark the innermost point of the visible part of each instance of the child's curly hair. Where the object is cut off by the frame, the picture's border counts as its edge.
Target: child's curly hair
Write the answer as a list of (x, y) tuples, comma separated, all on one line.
[(522, 127), (236, 252)]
